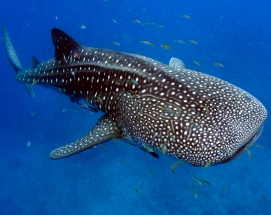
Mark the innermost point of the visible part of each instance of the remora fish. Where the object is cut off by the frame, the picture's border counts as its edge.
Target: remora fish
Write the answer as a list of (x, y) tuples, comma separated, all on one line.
[(225, 116)]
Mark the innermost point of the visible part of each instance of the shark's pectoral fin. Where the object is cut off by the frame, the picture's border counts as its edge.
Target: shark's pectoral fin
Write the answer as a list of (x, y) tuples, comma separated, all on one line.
[(105, 129)]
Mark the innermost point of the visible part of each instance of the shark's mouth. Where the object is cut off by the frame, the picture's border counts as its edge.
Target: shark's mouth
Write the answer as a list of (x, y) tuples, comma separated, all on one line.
[(248, 143)]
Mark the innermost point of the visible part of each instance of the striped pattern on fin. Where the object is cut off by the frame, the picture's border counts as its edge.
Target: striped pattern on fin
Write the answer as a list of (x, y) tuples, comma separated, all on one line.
[(104, 130)]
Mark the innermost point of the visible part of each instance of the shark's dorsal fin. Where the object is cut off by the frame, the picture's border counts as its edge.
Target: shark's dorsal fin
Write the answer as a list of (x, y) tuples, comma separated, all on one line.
[(176, 63), (104, 130), (64, 44), (35, 62)]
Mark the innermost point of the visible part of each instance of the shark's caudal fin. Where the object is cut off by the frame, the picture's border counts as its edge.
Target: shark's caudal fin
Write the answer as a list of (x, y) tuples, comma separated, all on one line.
[(104, 130), (13, 58)]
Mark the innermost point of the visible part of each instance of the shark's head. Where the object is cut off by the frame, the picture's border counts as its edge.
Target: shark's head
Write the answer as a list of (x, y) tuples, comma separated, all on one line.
[(224, 123), (241, 127)]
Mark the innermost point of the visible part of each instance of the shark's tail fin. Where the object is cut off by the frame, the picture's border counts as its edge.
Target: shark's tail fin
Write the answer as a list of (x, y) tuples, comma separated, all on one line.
[(13, 58)]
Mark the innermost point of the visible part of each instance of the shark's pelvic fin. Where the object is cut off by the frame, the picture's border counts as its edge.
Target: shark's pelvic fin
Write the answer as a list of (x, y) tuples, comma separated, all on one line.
[(104, 130), (176, 63), (13, 58)]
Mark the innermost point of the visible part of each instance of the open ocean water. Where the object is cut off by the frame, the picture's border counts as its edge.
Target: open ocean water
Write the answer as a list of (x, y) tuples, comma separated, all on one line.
[(236, 34)]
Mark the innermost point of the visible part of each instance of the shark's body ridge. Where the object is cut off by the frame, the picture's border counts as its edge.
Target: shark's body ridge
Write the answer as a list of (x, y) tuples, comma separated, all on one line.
[(193, 116)]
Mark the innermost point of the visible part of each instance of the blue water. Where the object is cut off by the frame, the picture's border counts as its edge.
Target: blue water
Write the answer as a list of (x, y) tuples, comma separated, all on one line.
[(234, 33)]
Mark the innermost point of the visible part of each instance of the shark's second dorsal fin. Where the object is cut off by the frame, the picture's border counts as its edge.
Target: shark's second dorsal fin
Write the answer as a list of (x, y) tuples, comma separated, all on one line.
[(35, 62), (64, 44), (176, 63)]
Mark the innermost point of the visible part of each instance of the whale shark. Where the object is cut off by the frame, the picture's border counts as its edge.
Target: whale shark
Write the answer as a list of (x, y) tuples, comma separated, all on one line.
[(193, 116)]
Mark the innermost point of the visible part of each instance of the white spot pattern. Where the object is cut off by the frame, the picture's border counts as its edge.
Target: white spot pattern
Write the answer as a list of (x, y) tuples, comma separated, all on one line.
[(192, 114)]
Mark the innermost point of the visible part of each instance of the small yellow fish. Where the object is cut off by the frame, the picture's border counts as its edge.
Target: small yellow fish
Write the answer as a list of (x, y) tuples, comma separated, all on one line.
[(103, 147), (116, 43), (84, 105), (34, 82), (197, 63), (197, 181), (149, 149), (217, 64), (165, 46), (122, 162), (148, 43), (194, 125), (141, 185), (163, 148), (172, 138), (114, 20), (150, 23), (249, 152), (71, 109), (178, 112), (257, 145), (116, 141), (225, 187), (134, 82), (138, 191), (208, 164), (247, 98), (137, 21), (160, 26), (194, 190), (205, 108), (179, 41), (82, 26), (223, 150), (185, 16), (193, 41), (33, 113), (152, 172), (205, 181), (100, 100), (129, 95), (263, 197), (168, 110), (173, 166)]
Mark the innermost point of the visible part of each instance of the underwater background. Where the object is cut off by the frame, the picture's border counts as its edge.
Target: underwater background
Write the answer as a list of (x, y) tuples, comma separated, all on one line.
[(228, 39)]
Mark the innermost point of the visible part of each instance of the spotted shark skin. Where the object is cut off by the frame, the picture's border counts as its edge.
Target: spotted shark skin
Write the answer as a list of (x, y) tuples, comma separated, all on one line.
[(193, 116)]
